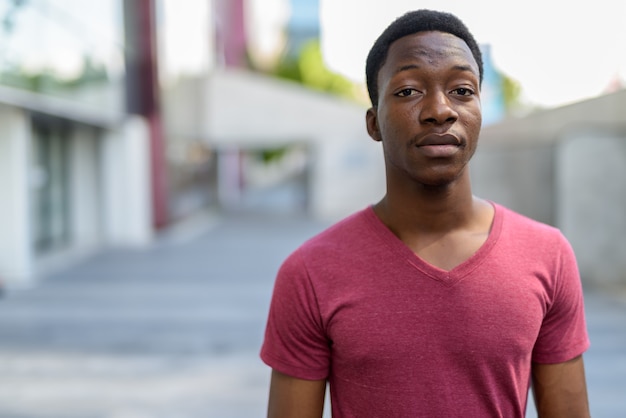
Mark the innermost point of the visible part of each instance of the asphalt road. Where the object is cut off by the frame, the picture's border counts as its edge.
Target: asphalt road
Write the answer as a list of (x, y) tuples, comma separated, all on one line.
[(173, 330)]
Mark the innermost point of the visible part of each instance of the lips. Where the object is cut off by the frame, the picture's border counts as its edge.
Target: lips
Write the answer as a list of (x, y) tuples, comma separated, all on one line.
[(438, 140), (438, 145)]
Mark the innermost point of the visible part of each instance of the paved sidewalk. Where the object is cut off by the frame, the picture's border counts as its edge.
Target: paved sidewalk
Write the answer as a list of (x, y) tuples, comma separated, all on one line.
[(173, 330)]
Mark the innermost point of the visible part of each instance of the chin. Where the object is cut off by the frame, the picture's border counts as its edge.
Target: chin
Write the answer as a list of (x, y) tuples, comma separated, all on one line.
[(440, 181), (436, 186)]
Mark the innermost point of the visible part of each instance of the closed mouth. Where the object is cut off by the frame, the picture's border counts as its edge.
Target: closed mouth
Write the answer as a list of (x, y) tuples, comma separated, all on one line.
[(438, 139)]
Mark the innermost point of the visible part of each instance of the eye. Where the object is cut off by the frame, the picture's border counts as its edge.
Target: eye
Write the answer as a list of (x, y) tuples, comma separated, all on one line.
[(406, 92), (462, 91)]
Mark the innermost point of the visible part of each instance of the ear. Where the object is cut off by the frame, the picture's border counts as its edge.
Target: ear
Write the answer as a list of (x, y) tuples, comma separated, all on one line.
[(371, 121)]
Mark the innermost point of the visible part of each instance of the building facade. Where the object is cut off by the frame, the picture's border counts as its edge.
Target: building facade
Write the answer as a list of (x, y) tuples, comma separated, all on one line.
[(75, 164)]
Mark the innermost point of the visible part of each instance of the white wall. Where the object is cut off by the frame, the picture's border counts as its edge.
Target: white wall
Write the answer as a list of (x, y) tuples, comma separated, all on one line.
[(110, 193), (126, 184), (16, 254), (347, 170), (516, 175), (85, 188), (347, 175), (591, 174)]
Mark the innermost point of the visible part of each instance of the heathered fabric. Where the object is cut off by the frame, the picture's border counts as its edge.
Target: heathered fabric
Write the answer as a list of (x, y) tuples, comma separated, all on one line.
[(398, 337)]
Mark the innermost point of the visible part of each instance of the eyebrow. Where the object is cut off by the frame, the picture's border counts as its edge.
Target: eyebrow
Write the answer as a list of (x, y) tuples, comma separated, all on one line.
[(464, 68), (406, 68)]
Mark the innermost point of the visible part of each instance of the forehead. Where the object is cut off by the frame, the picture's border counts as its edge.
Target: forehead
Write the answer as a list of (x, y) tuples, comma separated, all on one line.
[(431, 47)]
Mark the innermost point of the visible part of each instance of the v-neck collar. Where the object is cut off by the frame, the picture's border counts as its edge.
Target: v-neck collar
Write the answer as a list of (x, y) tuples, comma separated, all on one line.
[(447, 277)]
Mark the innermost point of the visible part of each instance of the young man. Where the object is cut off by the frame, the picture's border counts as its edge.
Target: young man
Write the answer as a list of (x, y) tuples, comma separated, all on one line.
[(432, 302)]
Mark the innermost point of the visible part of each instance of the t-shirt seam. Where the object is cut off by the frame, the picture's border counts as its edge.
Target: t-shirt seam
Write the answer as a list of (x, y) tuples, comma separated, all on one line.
[(371, 225), (557, 277), (578, 348), (318, 309), (274, 361), (498, 222), (497, 227)]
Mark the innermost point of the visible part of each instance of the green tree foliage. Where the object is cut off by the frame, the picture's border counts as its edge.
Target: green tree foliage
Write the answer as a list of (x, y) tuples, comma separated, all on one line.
[(511, 91), (47, 80), (308, 68), (44, 79)]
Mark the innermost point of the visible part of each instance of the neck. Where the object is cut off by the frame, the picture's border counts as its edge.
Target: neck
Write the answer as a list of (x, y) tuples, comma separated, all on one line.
[(431, 209)]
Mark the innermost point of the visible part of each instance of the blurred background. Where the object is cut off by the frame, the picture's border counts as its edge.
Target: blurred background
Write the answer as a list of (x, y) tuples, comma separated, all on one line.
[(159, 159)]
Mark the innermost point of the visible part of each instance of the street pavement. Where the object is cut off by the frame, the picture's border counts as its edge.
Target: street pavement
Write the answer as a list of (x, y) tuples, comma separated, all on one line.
[(173, 330)]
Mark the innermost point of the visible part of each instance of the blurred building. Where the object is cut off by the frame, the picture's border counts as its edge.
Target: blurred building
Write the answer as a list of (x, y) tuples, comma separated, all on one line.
[(74, 160), (270, 144), (93, 154), (122, 117)]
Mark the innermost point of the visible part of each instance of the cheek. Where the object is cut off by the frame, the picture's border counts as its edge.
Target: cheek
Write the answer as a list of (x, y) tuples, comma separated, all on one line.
[(479, 119), (477, 113), (472, 121), (393, 122)]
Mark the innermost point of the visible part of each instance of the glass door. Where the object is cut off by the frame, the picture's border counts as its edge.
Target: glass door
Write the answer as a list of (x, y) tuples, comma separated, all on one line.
[(50, 185)]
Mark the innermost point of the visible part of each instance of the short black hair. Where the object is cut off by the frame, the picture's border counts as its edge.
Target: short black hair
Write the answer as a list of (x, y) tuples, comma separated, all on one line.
[(408, 24)]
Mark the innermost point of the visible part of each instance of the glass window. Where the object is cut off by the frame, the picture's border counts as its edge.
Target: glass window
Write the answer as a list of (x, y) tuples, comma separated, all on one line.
[(50, 184), (65, 48)]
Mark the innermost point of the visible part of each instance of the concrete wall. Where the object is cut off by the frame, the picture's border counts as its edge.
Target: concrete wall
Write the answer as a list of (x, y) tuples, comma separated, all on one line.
[(109, 192), (85, 183), (565, 167), (591, 202), (126, 192), (520, 176), (240, 110), (347, 174), (16, 252)]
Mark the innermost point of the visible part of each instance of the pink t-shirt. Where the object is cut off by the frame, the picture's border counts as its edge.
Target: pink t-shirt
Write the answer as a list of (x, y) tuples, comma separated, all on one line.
[(398, 337)]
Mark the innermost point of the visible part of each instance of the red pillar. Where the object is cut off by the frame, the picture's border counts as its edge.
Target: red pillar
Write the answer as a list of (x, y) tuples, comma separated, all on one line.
[(231, 33), (142, 93)]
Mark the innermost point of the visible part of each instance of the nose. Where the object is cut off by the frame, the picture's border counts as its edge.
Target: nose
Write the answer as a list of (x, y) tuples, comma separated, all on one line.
[(437, 109)]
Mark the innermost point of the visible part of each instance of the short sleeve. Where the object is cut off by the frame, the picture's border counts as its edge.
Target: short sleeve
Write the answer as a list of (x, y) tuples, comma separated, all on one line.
[(563, 335), (295, 341)]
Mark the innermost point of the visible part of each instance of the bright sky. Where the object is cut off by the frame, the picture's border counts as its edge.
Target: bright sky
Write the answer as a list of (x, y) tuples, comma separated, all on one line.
[(558, 51), (185, 36)]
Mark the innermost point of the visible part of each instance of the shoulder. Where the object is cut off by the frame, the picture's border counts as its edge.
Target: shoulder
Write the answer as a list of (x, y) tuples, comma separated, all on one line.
[(344, 239), (342, 235), (525, 229), (533, 241)]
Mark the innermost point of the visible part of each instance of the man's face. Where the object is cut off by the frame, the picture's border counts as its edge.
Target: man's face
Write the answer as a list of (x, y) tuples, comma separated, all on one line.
[(428, 115)]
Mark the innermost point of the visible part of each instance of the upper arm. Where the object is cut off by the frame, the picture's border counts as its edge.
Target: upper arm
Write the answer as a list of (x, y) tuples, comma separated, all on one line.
[(295, 398), (560, 389)]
